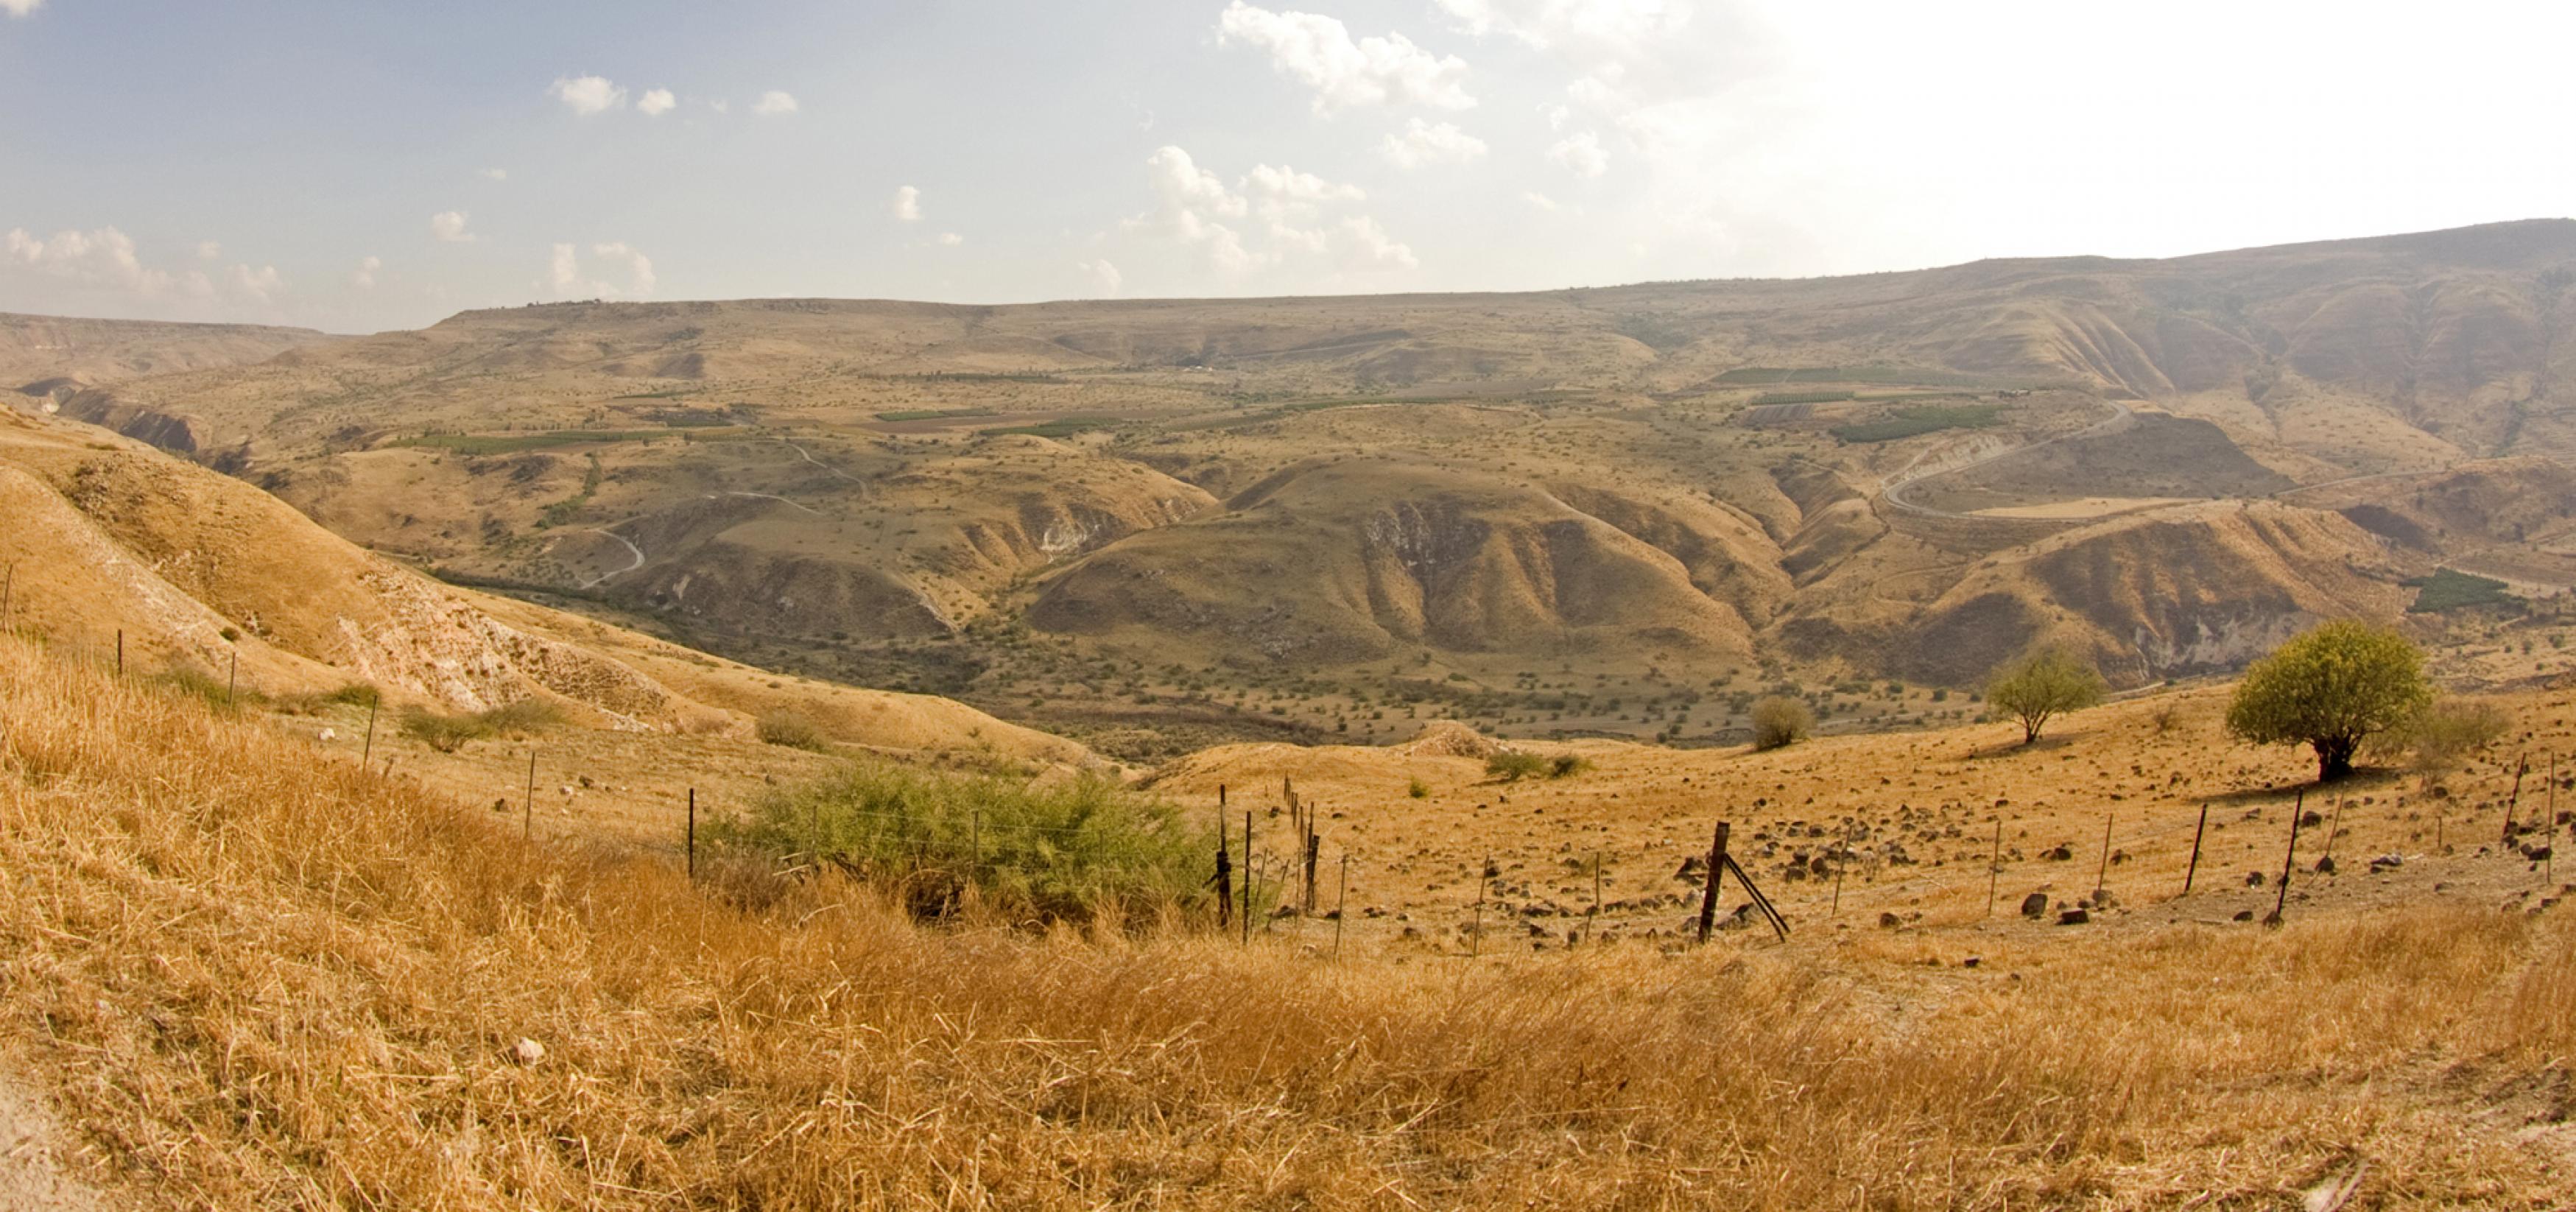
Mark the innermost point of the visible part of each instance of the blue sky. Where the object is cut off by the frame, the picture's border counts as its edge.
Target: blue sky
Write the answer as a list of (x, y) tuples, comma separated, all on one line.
[(357, 166)]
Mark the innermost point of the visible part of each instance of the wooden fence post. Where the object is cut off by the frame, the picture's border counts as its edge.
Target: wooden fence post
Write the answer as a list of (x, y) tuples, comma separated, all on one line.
[(1595, 915), (1247, 877), (1224, 880), (1341, 904), (1314, 858), (2194, 870), (2297, 810), (1716, 868), (232, 680), (8, 594), (2514, 798), (120, 652), (1995, 866), (367, 754), (1842, 855), (530, 831), (1484, 880), (693, 833), (2103, 872)]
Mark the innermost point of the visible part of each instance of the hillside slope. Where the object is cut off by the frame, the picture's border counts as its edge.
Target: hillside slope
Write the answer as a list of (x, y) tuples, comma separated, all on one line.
[(116, 545)]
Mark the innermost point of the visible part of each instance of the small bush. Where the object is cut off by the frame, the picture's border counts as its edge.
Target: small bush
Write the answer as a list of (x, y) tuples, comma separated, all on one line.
[(2445, 734), (356, 694), (792, 730), (1418, 789), (1566, 766), (441, 731), (522, 717), (1068, 851), (1780, 720), (1512, 765)]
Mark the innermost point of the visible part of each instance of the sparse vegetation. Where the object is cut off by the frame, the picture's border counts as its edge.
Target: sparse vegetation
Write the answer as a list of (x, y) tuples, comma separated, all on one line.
[(449, 732), (2446, 733), (1079, 850), (792, 730), (1513, 765), (2334, 688), (2042, 685), (1779, 721)]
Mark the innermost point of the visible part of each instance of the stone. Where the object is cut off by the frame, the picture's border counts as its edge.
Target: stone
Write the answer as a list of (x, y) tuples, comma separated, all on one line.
[(2074, 917), (2035, 905), (527, 1052)]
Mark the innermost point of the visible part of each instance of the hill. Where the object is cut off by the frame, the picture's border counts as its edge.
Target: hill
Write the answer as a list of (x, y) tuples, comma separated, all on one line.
[(121, 552), (1604, 510), (48, 358)]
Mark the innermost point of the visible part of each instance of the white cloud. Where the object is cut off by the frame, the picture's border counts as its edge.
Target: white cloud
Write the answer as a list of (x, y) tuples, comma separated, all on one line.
[(449, 225), (255, 284), (656, 103), (1539, 200), (493, 174), (103, 257), (774, 102), (1581, 155), (1430, 143), (907, 205), (20, 8), (1319, 52), (208, 250), (720, 106), (1105, 277), (365, 277), (1195, 208), (588, 94), (950, 239), (564, 272)]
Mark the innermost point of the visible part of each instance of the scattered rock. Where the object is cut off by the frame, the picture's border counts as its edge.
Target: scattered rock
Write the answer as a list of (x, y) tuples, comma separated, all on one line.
[(2058, 853), (2244, 915), (1972, 961), (1889, 921), (2326, 866), (2035, 905), (330, 735), (2253, 879), (2386, 861), (2074, 917), (527, 1052)]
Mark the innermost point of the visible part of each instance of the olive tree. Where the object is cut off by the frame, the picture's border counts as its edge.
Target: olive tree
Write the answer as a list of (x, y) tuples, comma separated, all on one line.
[(2041, 684), (2332, 687)]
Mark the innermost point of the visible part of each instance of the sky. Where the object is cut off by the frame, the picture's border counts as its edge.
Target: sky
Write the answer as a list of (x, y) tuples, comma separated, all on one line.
[(365, 166)]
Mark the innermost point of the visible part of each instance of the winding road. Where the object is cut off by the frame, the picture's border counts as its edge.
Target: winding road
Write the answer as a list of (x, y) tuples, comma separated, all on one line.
[(1906, 477), (636, 551)]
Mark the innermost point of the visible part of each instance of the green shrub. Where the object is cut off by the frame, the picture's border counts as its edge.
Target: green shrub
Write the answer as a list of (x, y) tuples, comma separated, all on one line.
[(1780, 720), (792, 730), (1512, 765), (1566, 766), (1064, 851), (1418, 789), (2445, 733)]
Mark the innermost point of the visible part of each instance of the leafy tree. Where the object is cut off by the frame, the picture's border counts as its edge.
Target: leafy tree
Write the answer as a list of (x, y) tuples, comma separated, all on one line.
[(1512, 765), (1780, 720), (2332, 687), (2041, 684)]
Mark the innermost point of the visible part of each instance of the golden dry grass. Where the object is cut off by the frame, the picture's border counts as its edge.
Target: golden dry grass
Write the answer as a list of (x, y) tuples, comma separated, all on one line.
[(259, 977)]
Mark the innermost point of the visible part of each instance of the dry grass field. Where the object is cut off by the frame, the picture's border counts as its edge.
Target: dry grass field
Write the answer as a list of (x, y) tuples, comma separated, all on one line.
[(259, 976)]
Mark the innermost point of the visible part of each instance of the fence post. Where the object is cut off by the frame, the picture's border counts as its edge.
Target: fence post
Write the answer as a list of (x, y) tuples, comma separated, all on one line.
[(530, 831), (2193, 871), (232, 680), (1842, 855), (2511, 800), (1224, 880), (1314, 857), (693, 833), (2281, 905), (2103, 872), (1995, 866), (8, 594), (1716, 869), (1484, 880), (1595, 915), (1247, 877), (367, 754), (1341, 903), (120, 652)]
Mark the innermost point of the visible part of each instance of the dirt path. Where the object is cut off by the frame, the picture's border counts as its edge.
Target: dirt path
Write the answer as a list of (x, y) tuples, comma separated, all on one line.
[(1905, 478), (32, 1177), (636, 551)]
